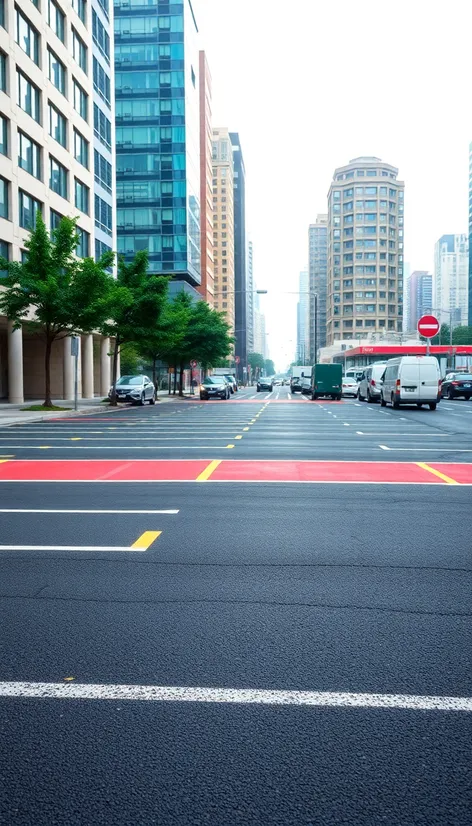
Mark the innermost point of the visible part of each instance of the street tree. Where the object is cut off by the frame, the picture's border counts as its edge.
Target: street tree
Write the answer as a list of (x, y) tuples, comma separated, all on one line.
[(55, 292), (269, 367), (209, 337), (462, 335), (256, 363), (137, 301)]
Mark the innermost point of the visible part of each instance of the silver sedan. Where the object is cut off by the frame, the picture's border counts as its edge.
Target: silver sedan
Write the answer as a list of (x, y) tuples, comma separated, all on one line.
[(134, 389)]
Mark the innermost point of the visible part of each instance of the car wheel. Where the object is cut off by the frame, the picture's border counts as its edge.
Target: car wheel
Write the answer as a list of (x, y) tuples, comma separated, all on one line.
[(152, 400), (383, 403), (467, 398), (450, 393), (432, 405), (419, 406), (202, 398), (369, 399), (360, 398), (395, 403)]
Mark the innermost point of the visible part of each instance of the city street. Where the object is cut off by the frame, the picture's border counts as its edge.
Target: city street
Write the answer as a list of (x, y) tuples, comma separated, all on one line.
[(181, 646)]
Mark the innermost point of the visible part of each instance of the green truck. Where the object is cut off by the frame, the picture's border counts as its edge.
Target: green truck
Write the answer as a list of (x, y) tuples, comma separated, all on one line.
[(327, 380)]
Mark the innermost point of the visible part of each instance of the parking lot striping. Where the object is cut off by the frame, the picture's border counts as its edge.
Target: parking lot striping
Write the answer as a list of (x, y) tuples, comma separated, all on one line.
[(205, 474), (80, 511), (438, 473), (145, 540), (238, 696), (60, 548)]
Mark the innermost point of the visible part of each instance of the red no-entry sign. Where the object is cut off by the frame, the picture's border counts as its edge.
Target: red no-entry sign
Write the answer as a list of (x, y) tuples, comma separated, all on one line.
[(428, 326)]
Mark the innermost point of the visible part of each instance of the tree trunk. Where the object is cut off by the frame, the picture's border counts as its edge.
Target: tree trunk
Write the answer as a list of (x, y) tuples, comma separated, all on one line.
[(154, 376), (47, 372), (181, 380), (113, 400), (175, 380)]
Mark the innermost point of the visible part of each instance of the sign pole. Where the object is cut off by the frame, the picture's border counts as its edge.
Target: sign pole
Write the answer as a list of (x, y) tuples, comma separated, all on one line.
[(74, 351), (428, 345)]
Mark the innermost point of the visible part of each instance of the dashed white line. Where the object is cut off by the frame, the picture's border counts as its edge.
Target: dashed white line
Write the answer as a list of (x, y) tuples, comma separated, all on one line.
[(80, 511), (185, 694), (384, 447)]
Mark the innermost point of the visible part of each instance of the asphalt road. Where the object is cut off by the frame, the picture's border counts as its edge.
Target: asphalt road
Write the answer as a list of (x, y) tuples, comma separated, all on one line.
[(254, 652)]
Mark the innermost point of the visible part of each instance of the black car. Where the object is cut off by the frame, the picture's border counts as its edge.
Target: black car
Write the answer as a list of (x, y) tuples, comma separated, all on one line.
[(264, 384), (214, 387), (457, 384)]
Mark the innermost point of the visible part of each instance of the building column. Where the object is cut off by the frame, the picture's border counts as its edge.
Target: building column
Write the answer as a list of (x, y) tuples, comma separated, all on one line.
[(87, 367), (68, 371), (104, 366), (15, 365)]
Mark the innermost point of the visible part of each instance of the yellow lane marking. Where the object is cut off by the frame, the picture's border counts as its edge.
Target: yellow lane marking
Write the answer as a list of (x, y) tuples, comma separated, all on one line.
[(76, 439), (205, 474), (229, 446), (435, 472), (145, 540), (238, 437), (245, 428), (44, 447), (2, 461)]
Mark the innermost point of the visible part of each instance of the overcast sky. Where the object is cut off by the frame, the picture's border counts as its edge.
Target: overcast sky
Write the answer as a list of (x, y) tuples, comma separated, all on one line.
[(309, 85)]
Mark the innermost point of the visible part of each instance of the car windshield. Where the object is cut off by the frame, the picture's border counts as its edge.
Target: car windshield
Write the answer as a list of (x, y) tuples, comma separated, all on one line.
[(229, 378), (130, 380), (214, 380), (460, 377)]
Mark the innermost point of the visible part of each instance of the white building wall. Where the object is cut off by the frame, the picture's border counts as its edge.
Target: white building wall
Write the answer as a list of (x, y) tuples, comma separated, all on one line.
[(451, 279)]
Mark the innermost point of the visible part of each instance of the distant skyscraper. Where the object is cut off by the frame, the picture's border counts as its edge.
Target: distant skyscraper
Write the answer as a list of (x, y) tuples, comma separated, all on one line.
[(206, 288), (240, 286), (317, 283), (303, 318), (365, 250), (250, 297), (157, 138), (223, 223), (451, 279), (420, 297)]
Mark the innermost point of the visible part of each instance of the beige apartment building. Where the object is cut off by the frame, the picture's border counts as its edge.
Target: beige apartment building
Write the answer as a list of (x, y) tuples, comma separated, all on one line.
[(223, 223), (56, 156), (365, 251)]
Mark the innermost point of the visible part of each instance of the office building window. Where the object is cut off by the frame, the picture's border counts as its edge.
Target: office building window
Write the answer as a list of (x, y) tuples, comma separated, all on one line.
[(29, 97), (80, 100), (56, 19), (101, 126), (2, 13), (4, 192), (26, 36), (54, 219), (79, 50), (80, 8), (103, 215), (28, 209), (3, 136), (100, 36), (81, 149), (81, 196), (57, 125), (102, 171), (29, 155), (57, 177), (101, 249), (57, 72), (4, 253), (3, 72), (82, 249), (104, 6), (101, 81)]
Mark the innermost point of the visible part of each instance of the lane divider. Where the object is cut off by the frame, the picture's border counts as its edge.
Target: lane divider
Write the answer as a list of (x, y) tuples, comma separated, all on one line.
[(438, 473), (145, 540), (205, 474)]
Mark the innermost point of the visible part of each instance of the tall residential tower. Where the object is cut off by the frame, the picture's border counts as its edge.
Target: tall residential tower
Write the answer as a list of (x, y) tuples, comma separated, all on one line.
[(365, 250), (223, 223), (317, 284), (240, 252)]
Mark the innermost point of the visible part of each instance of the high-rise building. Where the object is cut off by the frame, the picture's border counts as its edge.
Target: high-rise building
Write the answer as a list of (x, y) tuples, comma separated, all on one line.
[(451, 279), (56, 157), (365, 250), (206, 288), (157, 138), (317, 283), (223, 223), (250, 297), (303, 318), (240, 287), (420, 297)]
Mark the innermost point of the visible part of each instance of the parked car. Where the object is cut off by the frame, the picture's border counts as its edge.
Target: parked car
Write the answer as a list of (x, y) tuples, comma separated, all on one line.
[(349, 387), (369, 384), (278, 382), (215, 387), (264, 384), (134, 389), (457, 384), (233, 384), (411, 380), (354, 373)]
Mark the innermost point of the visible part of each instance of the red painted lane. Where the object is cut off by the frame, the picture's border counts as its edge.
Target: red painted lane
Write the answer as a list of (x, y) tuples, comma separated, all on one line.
[(101, 471), (251, 471), (460, 473)]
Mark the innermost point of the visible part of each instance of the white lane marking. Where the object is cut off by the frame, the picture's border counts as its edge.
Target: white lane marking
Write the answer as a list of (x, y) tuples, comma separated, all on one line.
[(129, 438), (406, 433), (185, 694), (359, 432), (118, 447), (289, 395), (384, 447), (356, 404), (446, 408), (277, 396), (77, 548), (346, 424), (268, 396), (50, 510), (254, 396), (430, 449), (402, 419)]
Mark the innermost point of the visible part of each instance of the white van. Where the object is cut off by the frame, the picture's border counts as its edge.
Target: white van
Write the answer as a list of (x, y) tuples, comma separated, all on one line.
[(411, 380)]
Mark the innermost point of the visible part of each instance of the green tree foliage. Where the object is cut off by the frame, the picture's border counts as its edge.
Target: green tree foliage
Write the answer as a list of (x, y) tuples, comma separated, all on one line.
[(58, 293), (137, 301), (442, 337), (269, 367), (256, 362), (462, 335)]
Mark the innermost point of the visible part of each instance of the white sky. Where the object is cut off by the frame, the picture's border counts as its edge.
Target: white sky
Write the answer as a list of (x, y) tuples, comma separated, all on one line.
[(310, 85)]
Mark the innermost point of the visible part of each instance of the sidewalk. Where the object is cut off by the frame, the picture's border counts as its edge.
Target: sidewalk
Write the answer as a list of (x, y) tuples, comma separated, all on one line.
[(11, 414)]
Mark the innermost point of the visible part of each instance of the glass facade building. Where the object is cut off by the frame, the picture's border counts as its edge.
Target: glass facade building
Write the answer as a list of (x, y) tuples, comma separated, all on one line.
[(157, 135), (317, 284)]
